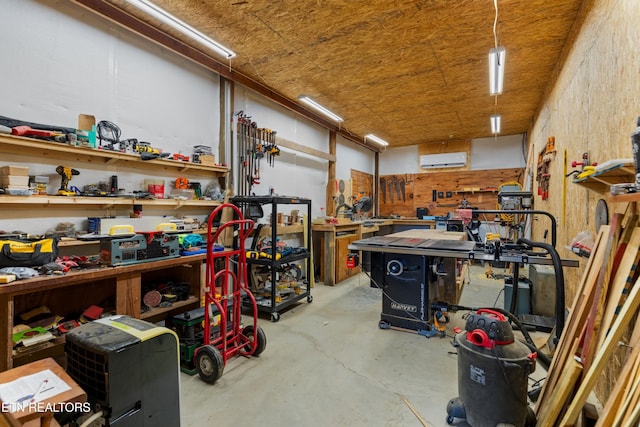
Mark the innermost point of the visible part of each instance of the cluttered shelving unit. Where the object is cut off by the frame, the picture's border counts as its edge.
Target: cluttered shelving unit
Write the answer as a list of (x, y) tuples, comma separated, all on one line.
[(276, 278), (118, 289), (103, 159)]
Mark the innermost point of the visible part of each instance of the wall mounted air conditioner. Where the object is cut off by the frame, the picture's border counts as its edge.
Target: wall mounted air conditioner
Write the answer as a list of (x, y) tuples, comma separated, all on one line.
[(445, 160)]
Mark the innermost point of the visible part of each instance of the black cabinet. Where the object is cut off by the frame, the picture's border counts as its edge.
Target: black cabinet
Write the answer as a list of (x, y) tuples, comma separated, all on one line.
[(279, 274)]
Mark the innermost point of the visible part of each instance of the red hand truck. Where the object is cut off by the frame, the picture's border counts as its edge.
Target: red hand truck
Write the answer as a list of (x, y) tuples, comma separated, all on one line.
[(226, 287)]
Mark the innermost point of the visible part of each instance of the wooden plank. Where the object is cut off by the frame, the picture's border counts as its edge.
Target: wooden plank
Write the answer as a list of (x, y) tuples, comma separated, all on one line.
[(558, 398), (304, 149), (622, 281), (602, 283), (576, 318), (633, 420), (128, 294), (602, 357), (622, 385), (6, 325), (630, 401)]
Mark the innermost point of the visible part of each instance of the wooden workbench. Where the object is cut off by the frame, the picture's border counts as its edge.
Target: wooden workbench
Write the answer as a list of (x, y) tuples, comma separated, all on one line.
[(332, 241), (75, 291)]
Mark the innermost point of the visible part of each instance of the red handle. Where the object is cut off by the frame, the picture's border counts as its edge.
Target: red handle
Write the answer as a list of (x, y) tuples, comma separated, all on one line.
[(501, 317)]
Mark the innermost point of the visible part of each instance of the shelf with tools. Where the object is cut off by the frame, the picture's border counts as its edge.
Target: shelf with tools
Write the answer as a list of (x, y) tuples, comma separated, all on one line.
[(105, 202), (41, 149), (607, 175), (472, 190), (276, 277), (36, 148)]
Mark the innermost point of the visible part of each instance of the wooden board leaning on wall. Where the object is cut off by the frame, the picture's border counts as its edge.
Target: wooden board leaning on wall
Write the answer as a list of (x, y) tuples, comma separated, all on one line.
[(404, 193)]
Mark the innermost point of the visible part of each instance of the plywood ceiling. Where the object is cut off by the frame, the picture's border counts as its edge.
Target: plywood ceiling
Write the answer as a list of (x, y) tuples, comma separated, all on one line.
[(411, 72)]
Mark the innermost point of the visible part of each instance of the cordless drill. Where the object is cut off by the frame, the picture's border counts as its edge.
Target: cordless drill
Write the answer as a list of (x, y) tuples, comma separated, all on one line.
[(66, 173)]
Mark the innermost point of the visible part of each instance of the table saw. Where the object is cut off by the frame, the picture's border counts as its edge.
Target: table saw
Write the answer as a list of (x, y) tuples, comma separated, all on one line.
[(405, 264)]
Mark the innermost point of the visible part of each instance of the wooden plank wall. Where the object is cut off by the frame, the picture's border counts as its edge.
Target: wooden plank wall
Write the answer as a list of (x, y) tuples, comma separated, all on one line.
[(591, 106), (359, 183), (405, 193)]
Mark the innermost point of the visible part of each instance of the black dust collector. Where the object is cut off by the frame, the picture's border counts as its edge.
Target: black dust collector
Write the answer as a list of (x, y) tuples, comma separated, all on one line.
[(129, 369), (493, 371)]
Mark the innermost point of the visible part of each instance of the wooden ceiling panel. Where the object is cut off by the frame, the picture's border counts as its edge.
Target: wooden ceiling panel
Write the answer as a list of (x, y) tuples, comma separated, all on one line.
[(412, 71)]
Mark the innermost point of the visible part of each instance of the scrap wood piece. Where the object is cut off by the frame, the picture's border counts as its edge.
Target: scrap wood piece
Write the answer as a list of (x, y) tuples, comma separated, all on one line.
[(630, 400), (622, 282), (621, 388), (575, 321), (422, 421), (592, 325), (633, 420), (559, 395), (602, 357)]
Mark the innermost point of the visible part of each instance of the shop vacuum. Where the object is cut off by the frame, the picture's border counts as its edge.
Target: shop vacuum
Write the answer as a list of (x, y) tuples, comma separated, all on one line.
[(493, 371)]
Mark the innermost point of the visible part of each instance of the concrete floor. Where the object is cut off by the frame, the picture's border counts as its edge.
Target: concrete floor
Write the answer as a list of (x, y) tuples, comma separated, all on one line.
[(328, 364)]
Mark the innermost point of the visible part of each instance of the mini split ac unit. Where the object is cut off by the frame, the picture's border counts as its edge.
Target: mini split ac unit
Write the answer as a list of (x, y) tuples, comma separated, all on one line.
[(445, 160)]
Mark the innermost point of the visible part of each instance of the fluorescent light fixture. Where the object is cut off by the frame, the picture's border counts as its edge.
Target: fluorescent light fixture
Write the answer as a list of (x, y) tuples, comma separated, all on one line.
[(376, 139), (495, 123), (496, 69), (310, 102), (166, 18)]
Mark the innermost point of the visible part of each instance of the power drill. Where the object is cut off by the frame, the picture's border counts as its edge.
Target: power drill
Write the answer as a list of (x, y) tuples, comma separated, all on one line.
[(66, 173)]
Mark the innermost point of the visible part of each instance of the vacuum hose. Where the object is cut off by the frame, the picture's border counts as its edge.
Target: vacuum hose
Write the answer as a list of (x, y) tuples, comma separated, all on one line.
[(543, 358), (557, 266)]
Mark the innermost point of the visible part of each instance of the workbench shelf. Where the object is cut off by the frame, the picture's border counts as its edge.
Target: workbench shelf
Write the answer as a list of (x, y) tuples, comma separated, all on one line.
[(105, 202), (281, 295), (120, 289), (37, 148), (476, 190)]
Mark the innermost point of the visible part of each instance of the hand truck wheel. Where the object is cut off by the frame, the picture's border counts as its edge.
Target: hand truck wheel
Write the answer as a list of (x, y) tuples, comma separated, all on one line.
[(209, 363), (260, 337)]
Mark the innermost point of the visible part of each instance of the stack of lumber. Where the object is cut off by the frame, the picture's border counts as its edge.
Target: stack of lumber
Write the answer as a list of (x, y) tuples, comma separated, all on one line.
[(603, 310)]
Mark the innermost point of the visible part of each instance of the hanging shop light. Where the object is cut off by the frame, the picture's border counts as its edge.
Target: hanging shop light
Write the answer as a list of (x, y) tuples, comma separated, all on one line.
[(166, 18), (495, 123), (376, 139), (324, 110), (496, 69)]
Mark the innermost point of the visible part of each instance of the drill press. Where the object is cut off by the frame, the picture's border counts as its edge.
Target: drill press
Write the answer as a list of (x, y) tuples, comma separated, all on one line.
[(66, 173)]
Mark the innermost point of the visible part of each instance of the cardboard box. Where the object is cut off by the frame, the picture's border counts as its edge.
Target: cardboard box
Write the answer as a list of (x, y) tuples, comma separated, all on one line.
[(15, 181), (15, 170), (86, 131), (207, 159)]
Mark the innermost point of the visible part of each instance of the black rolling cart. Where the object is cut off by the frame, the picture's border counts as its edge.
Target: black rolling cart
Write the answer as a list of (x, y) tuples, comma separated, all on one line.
[(276, 277)]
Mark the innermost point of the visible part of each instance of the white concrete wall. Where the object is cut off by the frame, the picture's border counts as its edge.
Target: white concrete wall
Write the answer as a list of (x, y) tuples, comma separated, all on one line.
[(78, 63), (502, 152)]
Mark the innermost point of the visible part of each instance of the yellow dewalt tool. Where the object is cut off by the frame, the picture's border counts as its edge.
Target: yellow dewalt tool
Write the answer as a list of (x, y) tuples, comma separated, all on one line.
[(253, 254), (66, 173), (586, 171), (268, 256), (492, 236)]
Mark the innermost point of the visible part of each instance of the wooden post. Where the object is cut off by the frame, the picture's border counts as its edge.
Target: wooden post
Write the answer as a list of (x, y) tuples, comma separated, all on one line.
[(331, 177)]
